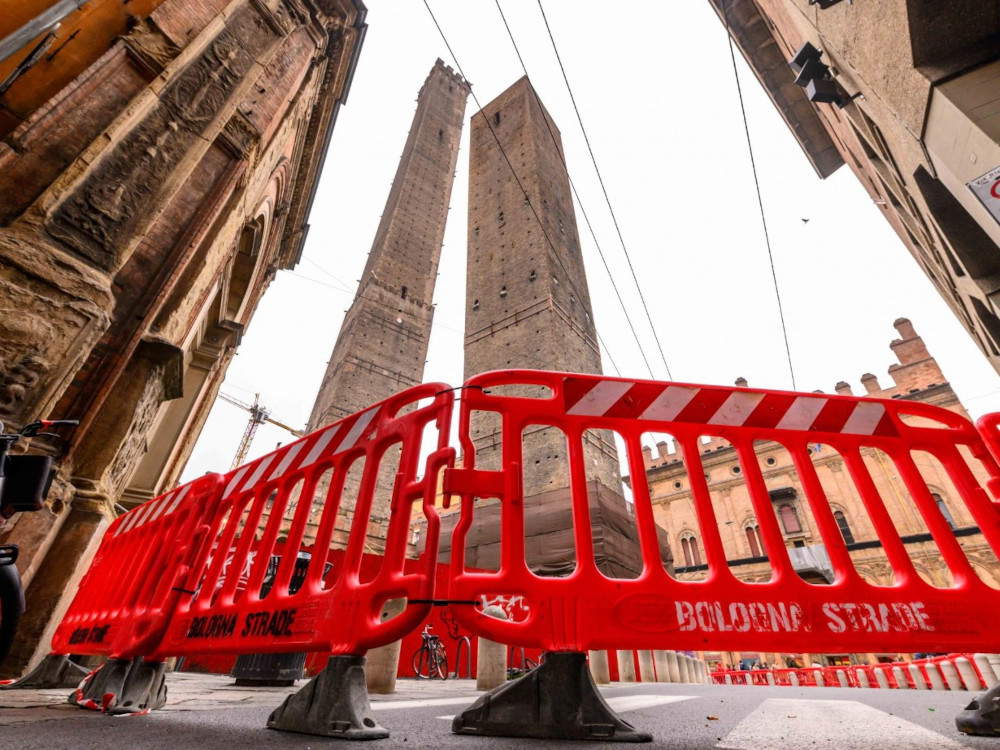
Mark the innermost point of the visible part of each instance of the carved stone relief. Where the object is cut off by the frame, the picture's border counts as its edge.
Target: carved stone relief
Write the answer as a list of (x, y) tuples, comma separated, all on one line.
[(43, 331), (105, 210)]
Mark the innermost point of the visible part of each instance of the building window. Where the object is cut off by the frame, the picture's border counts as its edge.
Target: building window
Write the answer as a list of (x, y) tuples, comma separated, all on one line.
[(845, 528), (789, 519), (753, 539), (496, 118), (944, 510), (689, 545), (402, 292)]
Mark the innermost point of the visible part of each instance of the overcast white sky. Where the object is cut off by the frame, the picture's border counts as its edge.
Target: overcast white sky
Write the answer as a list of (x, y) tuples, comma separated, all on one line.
[(655, 87)]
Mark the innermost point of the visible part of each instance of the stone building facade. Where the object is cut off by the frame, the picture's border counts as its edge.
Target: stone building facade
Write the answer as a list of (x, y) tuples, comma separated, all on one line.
[(382, 345), (916, 377), (156, 169), (919, 81), (528, 306)]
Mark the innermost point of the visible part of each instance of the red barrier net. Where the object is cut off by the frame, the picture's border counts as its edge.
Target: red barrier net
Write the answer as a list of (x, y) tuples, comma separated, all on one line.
[(321, 492), (128, 595), (268, 558), (588, 610)]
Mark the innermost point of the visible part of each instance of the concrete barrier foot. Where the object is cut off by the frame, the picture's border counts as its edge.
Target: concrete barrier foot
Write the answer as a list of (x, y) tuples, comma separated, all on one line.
[(54, 671), (982, 715), (556, 700), (334, 703), (145, 689), (101, 688)]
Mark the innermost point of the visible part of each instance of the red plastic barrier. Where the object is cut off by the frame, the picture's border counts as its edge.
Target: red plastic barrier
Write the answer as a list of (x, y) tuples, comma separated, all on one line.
[(126, 599), (334, 609), (587, 610)]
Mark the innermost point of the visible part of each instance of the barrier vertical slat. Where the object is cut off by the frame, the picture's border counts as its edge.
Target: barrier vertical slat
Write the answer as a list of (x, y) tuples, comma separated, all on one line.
[(644, 511), (892, 542), (819, 504), (715, 553), (941, 532), (774, 540), (586, 565)]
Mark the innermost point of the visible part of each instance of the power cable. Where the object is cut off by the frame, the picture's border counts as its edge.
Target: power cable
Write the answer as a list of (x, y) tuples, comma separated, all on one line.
[(520, 185), (604, 189), (756, 181), (576, 195)]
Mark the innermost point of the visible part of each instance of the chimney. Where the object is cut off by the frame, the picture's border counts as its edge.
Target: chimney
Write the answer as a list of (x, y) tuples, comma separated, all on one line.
[(662, 449), (870, 382), (647, 455), (844, 389), (909, 348)]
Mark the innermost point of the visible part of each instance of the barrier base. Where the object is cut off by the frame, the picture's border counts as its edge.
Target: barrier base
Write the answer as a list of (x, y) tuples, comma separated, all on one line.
[(54, 671), (334, 703), (123, 686), (982, 715), (556, 700)]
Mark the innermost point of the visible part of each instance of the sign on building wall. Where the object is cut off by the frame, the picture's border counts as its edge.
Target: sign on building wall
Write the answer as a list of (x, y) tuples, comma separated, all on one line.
[(987, 189)]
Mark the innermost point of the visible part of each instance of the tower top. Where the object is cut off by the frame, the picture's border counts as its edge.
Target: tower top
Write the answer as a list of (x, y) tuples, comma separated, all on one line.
[(441, 70)]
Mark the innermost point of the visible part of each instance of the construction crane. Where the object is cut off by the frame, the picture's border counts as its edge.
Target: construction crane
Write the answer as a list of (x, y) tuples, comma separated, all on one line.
[(258, 415)]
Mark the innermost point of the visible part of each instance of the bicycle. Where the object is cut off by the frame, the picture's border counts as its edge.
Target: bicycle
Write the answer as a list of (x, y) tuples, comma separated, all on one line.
[(431, 659), (526, 663), (24, 484)]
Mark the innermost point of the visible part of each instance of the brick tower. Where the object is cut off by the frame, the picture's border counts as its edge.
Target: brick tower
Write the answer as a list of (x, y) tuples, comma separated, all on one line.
[(528, 306), (382, 343)]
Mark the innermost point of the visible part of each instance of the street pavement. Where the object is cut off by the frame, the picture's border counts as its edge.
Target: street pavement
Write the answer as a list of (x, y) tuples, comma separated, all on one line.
[(208, 712)]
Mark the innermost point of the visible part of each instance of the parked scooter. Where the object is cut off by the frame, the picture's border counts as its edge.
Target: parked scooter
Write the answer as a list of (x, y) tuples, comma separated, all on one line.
[(24, 483)]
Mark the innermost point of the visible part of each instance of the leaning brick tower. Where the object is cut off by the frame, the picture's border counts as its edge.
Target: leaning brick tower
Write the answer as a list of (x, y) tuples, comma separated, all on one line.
[(382, 343), (528, 306)]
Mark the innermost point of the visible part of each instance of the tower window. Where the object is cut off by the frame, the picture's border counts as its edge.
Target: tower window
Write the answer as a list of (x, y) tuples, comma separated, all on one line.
[(500, 217), (503, 291), (440, 135), (402, 292), (496, 118), (752, 530), (533, 275), (475, 304)]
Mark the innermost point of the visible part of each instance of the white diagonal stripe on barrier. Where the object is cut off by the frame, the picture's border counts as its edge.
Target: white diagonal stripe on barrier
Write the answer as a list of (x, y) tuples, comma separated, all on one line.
[(293, 451), (669, 404), (357, 428), (127, 521), (161, 505), (802, 413), (864, 419), (600, 398), (235, 480), (177, 499), (736, 408), (258, 472), (144, 511), (320, 445)]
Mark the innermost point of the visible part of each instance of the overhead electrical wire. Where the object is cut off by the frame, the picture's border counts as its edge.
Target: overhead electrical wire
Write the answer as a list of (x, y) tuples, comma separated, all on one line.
[(604, 189), (756, 181), (576, 195), (517, 179)]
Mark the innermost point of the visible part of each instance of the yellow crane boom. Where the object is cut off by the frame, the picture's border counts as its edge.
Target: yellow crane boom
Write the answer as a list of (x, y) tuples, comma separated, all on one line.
[(258, 416)]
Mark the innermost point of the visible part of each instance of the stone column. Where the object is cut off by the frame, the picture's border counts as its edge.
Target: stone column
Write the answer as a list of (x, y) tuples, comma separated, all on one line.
[(491, 658), (599, 669), (673, 666), (662, 666), (626, 667), (646, 672), (684, 667), (382, 664)]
